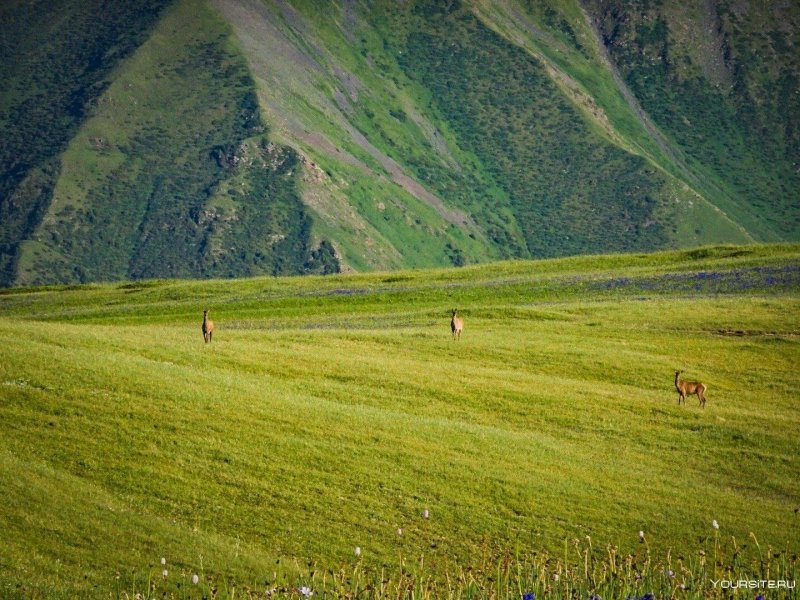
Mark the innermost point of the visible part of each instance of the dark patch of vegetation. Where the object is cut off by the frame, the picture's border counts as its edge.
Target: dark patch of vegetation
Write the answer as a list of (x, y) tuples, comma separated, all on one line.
[(456, 256), (553, 19), (400, 115), (322, 260)]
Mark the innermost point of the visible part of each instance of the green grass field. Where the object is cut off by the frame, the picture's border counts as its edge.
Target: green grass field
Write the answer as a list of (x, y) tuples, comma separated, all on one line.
[(330, 411)]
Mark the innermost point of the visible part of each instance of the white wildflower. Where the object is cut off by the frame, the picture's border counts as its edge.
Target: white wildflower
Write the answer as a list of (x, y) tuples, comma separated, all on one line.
[(357, 551), (195, 579), (714, 524)]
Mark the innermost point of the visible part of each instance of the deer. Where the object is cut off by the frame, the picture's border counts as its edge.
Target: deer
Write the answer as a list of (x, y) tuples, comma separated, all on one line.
[(690, 387), (208, 327), (456, 325)]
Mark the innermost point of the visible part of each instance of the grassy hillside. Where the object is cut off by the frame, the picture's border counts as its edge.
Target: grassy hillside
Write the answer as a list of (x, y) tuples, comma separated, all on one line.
[(173, 175), (329, 412), (480, 118), (222, 138), (721, 80), (569, 190), (57, 60), (332, 89), (168, 170)]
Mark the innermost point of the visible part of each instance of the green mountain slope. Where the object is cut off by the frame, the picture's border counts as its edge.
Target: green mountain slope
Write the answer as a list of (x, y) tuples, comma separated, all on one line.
[(569, 189), (233, 137), (722, 81), (57, 59), (172, 174)]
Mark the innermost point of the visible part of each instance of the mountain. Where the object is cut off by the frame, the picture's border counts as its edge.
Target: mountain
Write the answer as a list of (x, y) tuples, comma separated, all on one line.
[(222, 138)]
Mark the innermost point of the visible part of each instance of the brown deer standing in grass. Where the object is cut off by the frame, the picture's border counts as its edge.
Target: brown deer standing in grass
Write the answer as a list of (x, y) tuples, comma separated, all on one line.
[(456, 325), (690, 387), (208, 326)]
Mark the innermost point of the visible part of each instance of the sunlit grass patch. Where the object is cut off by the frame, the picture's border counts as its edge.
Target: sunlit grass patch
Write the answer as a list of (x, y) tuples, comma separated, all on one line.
[(319, 420)]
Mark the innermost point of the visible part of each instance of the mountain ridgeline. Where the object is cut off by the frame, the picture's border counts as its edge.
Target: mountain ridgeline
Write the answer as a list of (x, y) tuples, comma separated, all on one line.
[(225, 138)]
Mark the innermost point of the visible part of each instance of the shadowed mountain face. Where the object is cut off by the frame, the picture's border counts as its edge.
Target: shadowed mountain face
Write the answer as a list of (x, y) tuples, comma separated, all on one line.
[(57, 60), (569, 190), (221, 138), (722, 81)]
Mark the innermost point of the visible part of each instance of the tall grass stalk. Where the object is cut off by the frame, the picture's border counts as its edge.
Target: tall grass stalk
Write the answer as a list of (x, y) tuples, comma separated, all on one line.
[(511, 576)]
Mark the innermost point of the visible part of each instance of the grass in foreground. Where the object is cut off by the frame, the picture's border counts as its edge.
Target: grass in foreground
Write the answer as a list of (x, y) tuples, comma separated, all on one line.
[(330, 412), (579, 572)]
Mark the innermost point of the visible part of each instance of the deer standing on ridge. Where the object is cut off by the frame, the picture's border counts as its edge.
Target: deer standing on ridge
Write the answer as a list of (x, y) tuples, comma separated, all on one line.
[(690, 387), (456, 325), (208, 326)]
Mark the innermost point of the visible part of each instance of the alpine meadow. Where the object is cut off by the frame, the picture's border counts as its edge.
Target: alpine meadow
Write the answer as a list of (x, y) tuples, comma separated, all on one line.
[(458, 299), (333, 413)]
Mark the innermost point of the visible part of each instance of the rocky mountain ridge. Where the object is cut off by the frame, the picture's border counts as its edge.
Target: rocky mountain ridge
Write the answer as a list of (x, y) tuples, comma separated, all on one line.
[(223, 138)]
